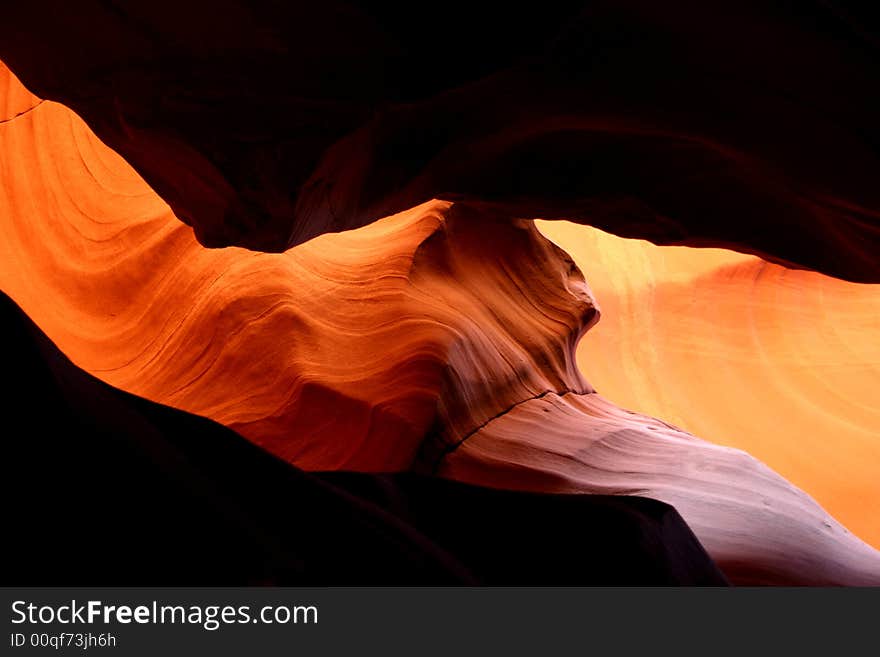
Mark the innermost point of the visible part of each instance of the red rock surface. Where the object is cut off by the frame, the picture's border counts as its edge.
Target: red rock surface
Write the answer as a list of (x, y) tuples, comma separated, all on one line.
[(443, 337), (194, 503), (339, 354)]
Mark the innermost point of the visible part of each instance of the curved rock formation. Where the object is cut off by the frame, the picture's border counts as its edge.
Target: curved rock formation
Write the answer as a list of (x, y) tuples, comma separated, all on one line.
[(759, 528), (365, 323), (783, 364), (184, 500), (264, 124), (407, 343)]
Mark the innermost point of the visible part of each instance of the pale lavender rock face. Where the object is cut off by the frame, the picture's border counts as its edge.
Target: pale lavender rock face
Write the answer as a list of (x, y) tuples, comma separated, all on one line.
[(758, 527), (492, 377)]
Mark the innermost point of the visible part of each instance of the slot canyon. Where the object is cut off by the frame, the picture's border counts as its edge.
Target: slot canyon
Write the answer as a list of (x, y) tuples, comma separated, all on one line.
[(336, 295)]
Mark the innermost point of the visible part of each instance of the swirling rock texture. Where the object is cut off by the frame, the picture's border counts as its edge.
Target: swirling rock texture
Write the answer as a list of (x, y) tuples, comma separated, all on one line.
[(784, 364), (364, 323), (759, 528), (182, 500), (441, 338)]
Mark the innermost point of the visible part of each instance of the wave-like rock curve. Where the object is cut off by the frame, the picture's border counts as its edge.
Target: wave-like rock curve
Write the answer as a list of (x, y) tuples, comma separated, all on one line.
[(759, 528), (364, 323), (194, 503), (781, 363), (348, 351)]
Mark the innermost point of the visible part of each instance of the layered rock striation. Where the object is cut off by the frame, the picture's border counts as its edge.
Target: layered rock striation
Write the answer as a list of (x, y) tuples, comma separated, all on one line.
[(439, 336), (781, 363)]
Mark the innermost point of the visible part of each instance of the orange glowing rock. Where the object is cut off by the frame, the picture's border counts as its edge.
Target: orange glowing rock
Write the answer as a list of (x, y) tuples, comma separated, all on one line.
[(782, 363), (15, 99), (341, 353), (440, 338)]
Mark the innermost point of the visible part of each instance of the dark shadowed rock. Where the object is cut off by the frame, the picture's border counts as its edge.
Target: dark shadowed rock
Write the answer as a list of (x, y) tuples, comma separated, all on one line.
[(263, 124), (105, 488)]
